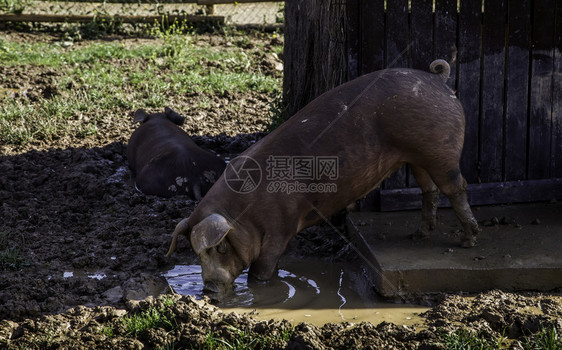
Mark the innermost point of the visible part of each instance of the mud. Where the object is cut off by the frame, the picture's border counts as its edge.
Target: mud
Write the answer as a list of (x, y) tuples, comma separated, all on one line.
[(191, 322), (82, 247)]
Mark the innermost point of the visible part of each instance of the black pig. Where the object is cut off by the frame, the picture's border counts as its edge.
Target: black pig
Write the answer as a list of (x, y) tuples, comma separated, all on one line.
[(164, 159)]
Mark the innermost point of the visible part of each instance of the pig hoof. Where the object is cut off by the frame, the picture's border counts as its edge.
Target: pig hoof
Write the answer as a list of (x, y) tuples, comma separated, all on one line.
[(419, 235), (257, 281)]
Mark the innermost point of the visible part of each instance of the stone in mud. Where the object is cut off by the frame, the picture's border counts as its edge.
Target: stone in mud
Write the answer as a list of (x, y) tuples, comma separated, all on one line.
[(114, 295), (144, 286)]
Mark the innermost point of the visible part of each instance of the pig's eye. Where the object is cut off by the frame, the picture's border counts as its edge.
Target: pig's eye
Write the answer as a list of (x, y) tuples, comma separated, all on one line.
[(221, 248)]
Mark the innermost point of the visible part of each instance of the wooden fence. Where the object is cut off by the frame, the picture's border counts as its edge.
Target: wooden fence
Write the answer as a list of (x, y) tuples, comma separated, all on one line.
[(507, 76), (209, 17)]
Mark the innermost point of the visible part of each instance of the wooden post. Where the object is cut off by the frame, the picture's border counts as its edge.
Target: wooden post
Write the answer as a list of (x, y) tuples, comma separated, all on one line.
[(315, 50)]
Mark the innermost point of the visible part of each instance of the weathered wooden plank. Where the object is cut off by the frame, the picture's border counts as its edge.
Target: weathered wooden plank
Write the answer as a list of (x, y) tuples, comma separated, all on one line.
[(445, 33), (421, 45), (353, 38), (421, 29), (557, 96), (540, 120), (298, 78), (468, 60), (397, 46), (371, 202), (479, 194), (315, 59), (117, 18), (397, 41), (517, 82), (372, 35), (491, 120)]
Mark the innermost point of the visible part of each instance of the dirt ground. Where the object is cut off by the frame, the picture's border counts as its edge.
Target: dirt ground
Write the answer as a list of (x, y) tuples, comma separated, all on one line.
[(91, 244)]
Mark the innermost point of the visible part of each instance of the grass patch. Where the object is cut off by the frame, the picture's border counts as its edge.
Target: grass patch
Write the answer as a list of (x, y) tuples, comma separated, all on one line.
[(277, 111), (462, 339), (153, 317), (73, 89), (14, 6), (108, 331), (58, 55), (547, 338), (10, 257), (150, 318), (244, 339)]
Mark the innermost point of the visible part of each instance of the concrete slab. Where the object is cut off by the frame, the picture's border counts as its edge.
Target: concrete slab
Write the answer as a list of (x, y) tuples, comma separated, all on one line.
[(520, 248)]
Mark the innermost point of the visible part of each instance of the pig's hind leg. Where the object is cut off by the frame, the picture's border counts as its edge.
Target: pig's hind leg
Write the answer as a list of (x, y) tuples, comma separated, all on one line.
[(430, 196), (453, 185)]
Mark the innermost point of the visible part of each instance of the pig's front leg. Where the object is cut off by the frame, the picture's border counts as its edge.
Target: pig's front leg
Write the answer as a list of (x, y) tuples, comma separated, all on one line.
[(265, 265)]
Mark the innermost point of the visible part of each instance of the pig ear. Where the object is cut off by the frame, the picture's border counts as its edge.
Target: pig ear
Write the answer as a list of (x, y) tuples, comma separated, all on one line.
[(209, 232), (174, 116), (140, 116)]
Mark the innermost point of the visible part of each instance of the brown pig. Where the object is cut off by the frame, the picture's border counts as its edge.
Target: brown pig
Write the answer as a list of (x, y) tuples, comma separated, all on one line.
[(334, 151), (164, 159)]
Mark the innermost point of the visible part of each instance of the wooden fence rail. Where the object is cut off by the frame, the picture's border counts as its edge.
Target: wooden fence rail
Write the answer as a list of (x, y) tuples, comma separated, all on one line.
[(116, 18), (208, 18)]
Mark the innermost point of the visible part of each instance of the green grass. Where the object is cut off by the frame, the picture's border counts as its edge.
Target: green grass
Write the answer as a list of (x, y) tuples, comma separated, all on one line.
[(462, 339), (153, 317), (10, 257), (547, 338), (96, 80), (57, 55), (13, 6), (277, 111), (245, 340), (108, 331)]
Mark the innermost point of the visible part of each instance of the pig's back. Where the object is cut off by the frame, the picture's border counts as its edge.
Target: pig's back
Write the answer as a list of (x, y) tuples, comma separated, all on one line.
[(364, 112)]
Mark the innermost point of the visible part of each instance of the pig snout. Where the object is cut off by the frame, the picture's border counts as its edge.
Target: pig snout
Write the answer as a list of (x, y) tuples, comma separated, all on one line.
[(216, 279)]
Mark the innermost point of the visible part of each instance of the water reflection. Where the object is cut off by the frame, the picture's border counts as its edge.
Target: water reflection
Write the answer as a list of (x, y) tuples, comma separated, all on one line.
[(186, 279), (309, 290), (297, 284)]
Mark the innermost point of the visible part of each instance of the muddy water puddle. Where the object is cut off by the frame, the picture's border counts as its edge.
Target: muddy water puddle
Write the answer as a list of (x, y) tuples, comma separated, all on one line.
[(303, 291)]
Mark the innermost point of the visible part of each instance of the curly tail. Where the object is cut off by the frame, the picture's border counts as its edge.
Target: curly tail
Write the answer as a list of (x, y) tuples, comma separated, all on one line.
[(442, 68)]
